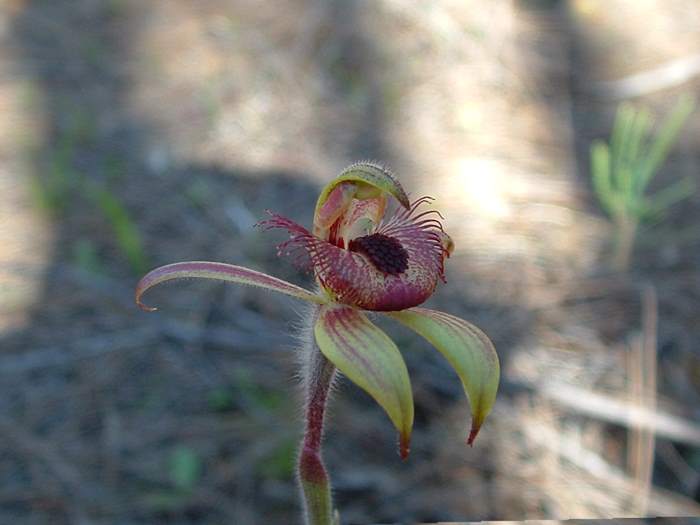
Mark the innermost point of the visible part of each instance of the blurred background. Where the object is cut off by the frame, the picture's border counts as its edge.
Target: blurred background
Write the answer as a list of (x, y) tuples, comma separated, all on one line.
[(135, 134)]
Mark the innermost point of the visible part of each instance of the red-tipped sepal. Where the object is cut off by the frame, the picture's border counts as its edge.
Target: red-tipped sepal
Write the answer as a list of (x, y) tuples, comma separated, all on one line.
[(468, 350)]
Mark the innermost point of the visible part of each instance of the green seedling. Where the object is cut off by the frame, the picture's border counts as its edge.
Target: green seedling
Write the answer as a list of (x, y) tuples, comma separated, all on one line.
[(85, 256), (185, 468), (60, 181), (279, 463), (124, 228), (622, 171)]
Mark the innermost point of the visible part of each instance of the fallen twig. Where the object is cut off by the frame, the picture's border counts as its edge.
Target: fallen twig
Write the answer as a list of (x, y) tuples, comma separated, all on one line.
[(608, 408), (668, 75), (660, 502)]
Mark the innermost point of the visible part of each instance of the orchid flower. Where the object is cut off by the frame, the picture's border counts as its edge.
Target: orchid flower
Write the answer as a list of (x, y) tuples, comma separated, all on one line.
[(370, 249)]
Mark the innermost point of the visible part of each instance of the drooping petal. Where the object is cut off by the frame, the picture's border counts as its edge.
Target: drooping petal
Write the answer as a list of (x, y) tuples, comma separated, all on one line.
[(468, 350), (369, 359), (219, 272), (396, 267)]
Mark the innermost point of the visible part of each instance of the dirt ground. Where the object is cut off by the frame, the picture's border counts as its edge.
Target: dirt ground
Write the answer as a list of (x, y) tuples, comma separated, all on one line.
[(135, 134)]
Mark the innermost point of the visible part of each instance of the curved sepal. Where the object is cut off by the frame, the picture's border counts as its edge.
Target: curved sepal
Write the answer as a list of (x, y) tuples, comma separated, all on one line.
[(468, 350), (371, 180), (219, 272), (369, 359)]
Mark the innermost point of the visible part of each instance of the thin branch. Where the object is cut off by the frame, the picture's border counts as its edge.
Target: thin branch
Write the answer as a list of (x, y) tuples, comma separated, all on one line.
[(611, 409), (660, 501), (668, 75), (642, 376)]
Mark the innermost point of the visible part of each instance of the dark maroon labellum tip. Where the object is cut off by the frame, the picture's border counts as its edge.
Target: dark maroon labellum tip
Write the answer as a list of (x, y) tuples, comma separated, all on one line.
[(384, 252)]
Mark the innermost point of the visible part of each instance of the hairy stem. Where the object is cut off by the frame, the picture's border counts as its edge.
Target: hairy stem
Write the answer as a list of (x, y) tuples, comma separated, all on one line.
[(315, 484)]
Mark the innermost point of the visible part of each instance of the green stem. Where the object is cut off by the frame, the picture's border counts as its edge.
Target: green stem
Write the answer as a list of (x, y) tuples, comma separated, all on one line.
[(625, 233), (315, 484)]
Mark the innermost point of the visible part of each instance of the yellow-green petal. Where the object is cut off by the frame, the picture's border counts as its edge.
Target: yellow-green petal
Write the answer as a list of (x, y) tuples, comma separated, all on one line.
[(468, 350), (369, 359), (219, 272), (372, 180)]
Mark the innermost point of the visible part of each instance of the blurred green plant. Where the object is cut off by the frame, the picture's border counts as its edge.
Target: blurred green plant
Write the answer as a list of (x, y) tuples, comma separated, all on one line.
[(86, 257), (53, 190), (126, 233), (185, 468), (221, 399), (253, 397), (62, 184), (279, 463), (622, 170)]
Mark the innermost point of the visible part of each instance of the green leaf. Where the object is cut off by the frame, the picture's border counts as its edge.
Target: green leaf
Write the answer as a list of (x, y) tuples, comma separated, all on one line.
[(185, 468), (618, 140), (468, 350), (369, 359), (86, 257), (219, 272), (638, 135), (600, 169), (622, 174), (660, 147), (670, 195), (279, 463), (125, 230)]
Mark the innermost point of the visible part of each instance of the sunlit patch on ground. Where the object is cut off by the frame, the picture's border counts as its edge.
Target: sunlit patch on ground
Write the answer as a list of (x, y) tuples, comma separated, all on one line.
[(25, 228)]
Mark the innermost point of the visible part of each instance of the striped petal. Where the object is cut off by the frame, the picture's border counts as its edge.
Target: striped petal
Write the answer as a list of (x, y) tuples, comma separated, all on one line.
[(468, 350), (369, 359), (219, 272)]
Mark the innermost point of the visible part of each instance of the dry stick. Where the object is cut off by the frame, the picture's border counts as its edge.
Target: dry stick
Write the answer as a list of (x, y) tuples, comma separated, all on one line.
[(642, 372), (611, 409), (661, 502), (569, 502), (625, 235), (670, 74), (650, 322), (686, 474)]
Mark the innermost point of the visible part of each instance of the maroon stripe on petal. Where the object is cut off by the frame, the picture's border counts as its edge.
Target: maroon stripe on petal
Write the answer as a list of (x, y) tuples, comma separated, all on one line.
[(368, 358)]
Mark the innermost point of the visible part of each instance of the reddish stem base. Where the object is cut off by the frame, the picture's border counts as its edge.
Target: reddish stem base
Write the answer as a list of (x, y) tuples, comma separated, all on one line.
[(315, 484)]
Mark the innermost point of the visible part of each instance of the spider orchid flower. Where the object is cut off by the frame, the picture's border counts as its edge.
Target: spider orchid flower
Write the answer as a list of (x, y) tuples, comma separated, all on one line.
[(370, 249)]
